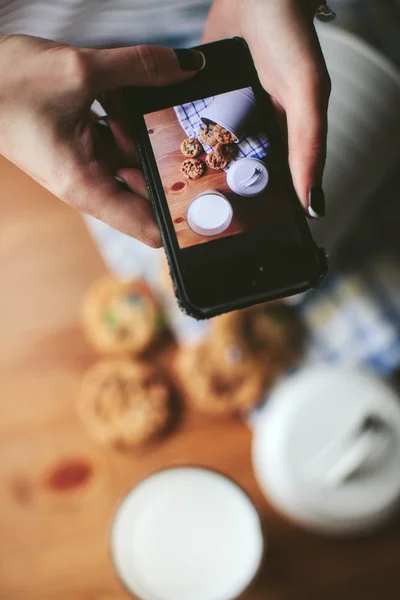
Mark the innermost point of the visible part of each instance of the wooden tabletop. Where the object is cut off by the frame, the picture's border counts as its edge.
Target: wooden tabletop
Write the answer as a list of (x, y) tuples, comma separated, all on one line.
[(59, 490)]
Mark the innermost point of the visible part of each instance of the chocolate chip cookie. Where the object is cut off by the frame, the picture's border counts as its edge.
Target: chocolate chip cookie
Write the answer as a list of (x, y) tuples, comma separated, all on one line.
[(207, 134), (221, 156), (273, 332), (192, 168), (223, 135), (124, 403)]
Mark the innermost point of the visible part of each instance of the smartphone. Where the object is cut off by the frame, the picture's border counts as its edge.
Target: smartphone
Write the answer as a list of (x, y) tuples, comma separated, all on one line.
[(232, 226)]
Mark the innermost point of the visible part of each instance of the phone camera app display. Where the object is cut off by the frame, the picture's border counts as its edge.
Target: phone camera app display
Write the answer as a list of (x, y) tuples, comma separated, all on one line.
[(218, 173)]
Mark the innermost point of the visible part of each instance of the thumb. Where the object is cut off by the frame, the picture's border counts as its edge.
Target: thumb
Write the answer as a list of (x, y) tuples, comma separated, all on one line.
[(142, 66), (306, 112)]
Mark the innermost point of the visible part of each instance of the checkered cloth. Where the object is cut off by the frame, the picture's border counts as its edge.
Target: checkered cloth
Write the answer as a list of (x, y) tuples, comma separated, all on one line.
[(189, 116)]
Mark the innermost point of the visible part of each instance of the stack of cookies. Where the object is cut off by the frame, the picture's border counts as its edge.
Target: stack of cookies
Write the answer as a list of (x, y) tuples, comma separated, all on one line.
[(223, 151), (123, 401)]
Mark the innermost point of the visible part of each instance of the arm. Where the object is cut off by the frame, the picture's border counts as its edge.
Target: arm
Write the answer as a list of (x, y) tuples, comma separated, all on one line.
[(285, 47)]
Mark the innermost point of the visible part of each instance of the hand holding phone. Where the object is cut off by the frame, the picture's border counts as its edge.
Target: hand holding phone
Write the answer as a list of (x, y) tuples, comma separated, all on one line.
[(219, 181)]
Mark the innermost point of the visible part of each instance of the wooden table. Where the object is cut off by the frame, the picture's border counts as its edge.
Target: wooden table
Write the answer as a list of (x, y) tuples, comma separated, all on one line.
[(59, 490)]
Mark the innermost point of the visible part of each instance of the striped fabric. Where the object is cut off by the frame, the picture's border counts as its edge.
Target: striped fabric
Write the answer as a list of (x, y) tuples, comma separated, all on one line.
[(95, 23), (189, 116)]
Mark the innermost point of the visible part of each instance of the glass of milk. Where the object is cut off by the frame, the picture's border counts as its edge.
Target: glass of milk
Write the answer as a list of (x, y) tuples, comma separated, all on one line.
[(187, 533)]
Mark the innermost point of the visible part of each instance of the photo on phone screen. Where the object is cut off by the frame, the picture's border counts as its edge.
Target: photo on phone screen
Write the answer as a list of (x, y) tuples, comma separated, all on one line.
[(220, 175)]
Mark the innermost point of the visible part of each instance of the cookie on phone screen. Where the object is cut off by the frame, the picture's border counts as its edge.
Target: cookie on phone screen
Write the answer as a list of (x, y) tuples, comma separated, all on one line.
[(221, 156), (191, 148), (207, 134), (223, 135), (192, 168), (221, 378)]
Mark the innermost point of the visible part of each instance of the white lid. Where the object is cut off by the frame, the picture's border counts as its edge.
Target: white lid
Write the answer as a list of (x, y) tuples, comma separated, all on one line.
[(209, 214), (187, 534), (327, 449), (248, 177)]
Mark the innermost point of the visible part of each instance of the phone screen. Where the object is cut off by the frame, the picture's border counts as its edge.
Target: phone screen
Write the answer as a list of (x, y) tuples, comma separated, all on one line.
[(219, 172)]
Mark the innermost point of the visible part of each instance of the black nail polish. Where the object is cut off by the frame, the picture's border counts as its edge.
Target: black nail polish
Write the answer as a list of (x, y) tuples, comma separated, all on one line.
[(190, 60), (316, 202), (122, 184)]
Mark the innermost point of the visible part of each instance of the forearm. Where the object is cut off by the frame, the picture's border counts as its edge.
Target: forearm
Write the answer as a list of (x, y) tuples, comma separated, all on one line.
[(223, 20), (226, 17)]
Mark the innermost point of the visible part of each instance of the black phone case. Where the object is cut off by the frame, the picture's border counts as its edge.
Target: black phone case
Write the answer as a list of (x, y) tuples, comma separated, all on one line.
[(228, 48)]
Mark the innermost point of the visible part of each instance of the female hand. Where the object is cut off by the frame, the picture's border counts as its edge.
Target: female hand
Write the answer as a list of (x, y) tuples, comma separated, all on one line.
[(291, 67), (48, 130)]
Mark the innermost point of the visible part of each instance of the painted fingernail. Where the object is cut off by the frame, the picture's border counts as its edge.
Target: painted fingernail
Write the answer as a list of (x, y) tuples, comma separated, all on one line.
[(190, 60), (316, 202), (122, 184)]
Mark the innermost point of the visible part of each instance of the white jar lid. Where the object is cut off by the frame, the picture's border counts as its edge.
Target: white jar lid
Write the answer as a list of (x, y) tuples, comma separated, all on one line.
[(326, 449), (248, 177), (209, 214)]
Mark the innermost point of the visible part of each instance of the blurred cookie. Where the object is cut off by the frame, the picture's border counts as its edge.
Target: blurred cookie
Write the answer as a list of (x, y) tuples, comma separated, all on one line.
[(221, 156), (221, 378), (191, 147), (223, 135), (192, 168), (123, 403), (121, 316), (273, 332), (207, 134)]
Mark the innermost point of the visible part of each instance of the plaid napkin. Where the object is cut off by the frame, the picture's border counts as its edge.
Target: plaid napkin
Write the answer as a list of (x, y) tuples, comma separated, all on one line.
[(189, 116)]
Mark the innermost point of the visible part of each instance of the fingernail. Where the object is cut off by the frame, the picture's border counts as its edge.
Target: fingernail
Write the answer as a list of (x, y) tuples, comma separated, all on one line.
[(122, 184), (316, 202), (190, 60)]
